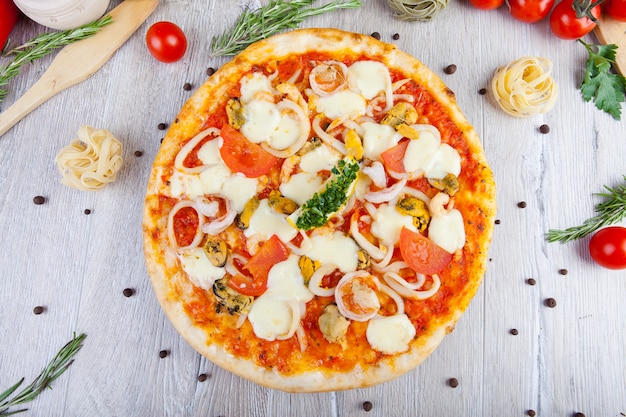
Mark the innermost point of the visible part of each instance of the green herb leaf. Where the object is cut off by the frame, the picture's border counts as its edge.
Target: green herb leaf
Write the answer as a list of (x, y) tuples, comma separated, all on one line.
[(611, 211), (315, 212), (56, 367), (278, 15), (605, 88), (43, 45)]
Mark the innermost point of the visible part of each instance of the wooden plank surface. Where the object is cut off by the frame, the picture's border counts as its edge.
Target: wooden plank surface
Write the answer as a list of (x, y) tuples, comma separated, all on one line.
[(564, 360)]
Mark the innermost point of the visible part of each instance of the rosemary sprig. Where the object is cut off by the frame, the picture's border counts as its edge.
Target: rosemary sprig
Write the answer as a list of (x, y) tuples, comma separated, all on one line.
[(278, 15), (610, 211), (55, 368), (43, 45)]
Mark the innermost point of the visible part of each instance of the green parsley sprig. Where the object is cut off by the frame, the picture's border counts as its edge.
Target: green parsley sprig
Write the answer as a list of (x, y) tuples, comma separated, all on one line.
[(56, 367), (315, 212), (278, 15), (607, 89), (610, 211), (43, 45)]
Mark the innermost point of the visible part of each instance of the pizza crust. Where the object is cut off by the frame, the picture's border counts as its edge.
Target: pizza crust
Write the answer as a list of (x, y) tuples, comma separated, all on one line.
[(161, 260)]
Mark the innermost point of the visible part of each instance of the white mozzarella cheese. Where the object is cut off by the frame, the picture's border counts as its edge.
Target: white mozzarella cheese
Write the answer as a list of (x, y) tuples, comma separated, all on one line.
[(267, 222), (209, 153), (320, 158), (433, 158), (421, 152), (370, 78), (391, 334), (270, 317), (343, 103), (378, 138), (185, 185), (388, 223), (301, 186), (199, 268), (254, 84), (335, 248), (448, 231), (285, 281), (447, 161), (213, 178), (239, 189), (262, 119), (285, 133), (274, 314)]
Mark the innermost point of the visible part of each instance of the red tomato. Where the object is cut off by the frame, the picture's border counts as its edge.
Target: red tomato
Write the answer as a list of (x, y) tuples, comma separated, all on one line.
[(608, 247), (565, 25), (486, 4), (616, 9), (530, 11), (422, 254), (393, 158), (9, 13), (272, 252), (166, 42), (241, 155)]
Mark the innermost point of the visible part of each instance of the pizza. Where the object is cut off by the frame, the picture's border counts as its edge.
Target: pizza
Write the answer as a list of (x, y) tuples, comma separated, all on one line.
[(319, 213)]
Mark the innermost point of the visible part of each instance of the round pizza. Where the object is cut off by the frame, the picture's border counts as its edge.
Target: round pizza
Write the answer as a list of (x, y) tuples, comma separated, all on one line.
[(319, 214)]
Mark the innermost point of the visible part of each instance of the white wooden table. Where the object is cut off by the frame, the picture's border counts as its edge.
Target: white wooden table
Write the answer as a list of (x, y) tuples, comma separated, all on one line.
[(567, 359)]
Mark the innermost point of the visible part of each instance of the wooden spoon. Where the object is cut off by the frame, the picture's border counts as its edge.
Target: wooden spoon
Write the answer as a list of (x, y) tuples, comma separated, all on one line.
[(78, 61), (613, 31)]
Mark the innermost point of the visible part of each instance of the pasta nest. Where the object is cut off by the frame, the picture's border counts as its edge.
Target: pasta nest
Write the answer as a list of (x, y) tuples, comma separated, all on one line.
[(91, 161)]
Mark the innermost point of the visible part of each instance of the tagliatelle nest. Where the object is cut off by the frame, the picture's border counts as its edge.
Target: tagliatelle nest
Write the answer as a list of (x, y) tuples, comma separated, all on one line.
[(525, 87), (416, 9), (91, 161)]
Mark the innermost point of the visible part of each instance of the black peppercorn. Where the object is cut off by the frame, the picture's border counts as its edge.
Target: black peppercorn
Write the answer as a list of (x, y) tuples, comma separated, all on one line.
[(367, 406), (128, 292), (376, 35), (545, 129), (162, 126), (450, 69), (38, 310), (453, 382), (163, 354), (39, 200)]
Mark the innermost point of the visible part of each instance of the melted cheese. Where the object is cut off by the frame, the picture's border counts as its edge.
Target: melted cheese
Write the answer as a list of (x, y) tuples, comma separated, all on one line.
[(199, 268), (448, 231), (390, 334), (267, 222), (301, 186), (368, 78), (272, 314), (377, 138), (340, 104), (239, 189), (320, 158), (209, 153), (335, 248), (262, 119), (254, 85), (388, 223), (428, 155)]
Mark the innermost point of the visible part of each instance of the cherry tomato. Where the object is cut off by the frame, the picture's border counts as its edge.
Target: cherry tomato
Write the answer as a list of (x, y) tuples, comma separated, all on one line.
[(486, 4), (9, 13), (616, 9), (565, 25), (393, 158), (530, 11), (166, 42), (272, 252), (422, 254), (608, 247), (241, 155)]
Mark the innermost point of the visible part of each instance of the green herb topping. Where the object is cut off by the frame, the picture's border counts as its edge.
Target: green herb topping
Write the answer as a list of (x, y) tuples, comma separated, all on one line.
[(315, 212), (278, 15), (605, 88), (610, 211)]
